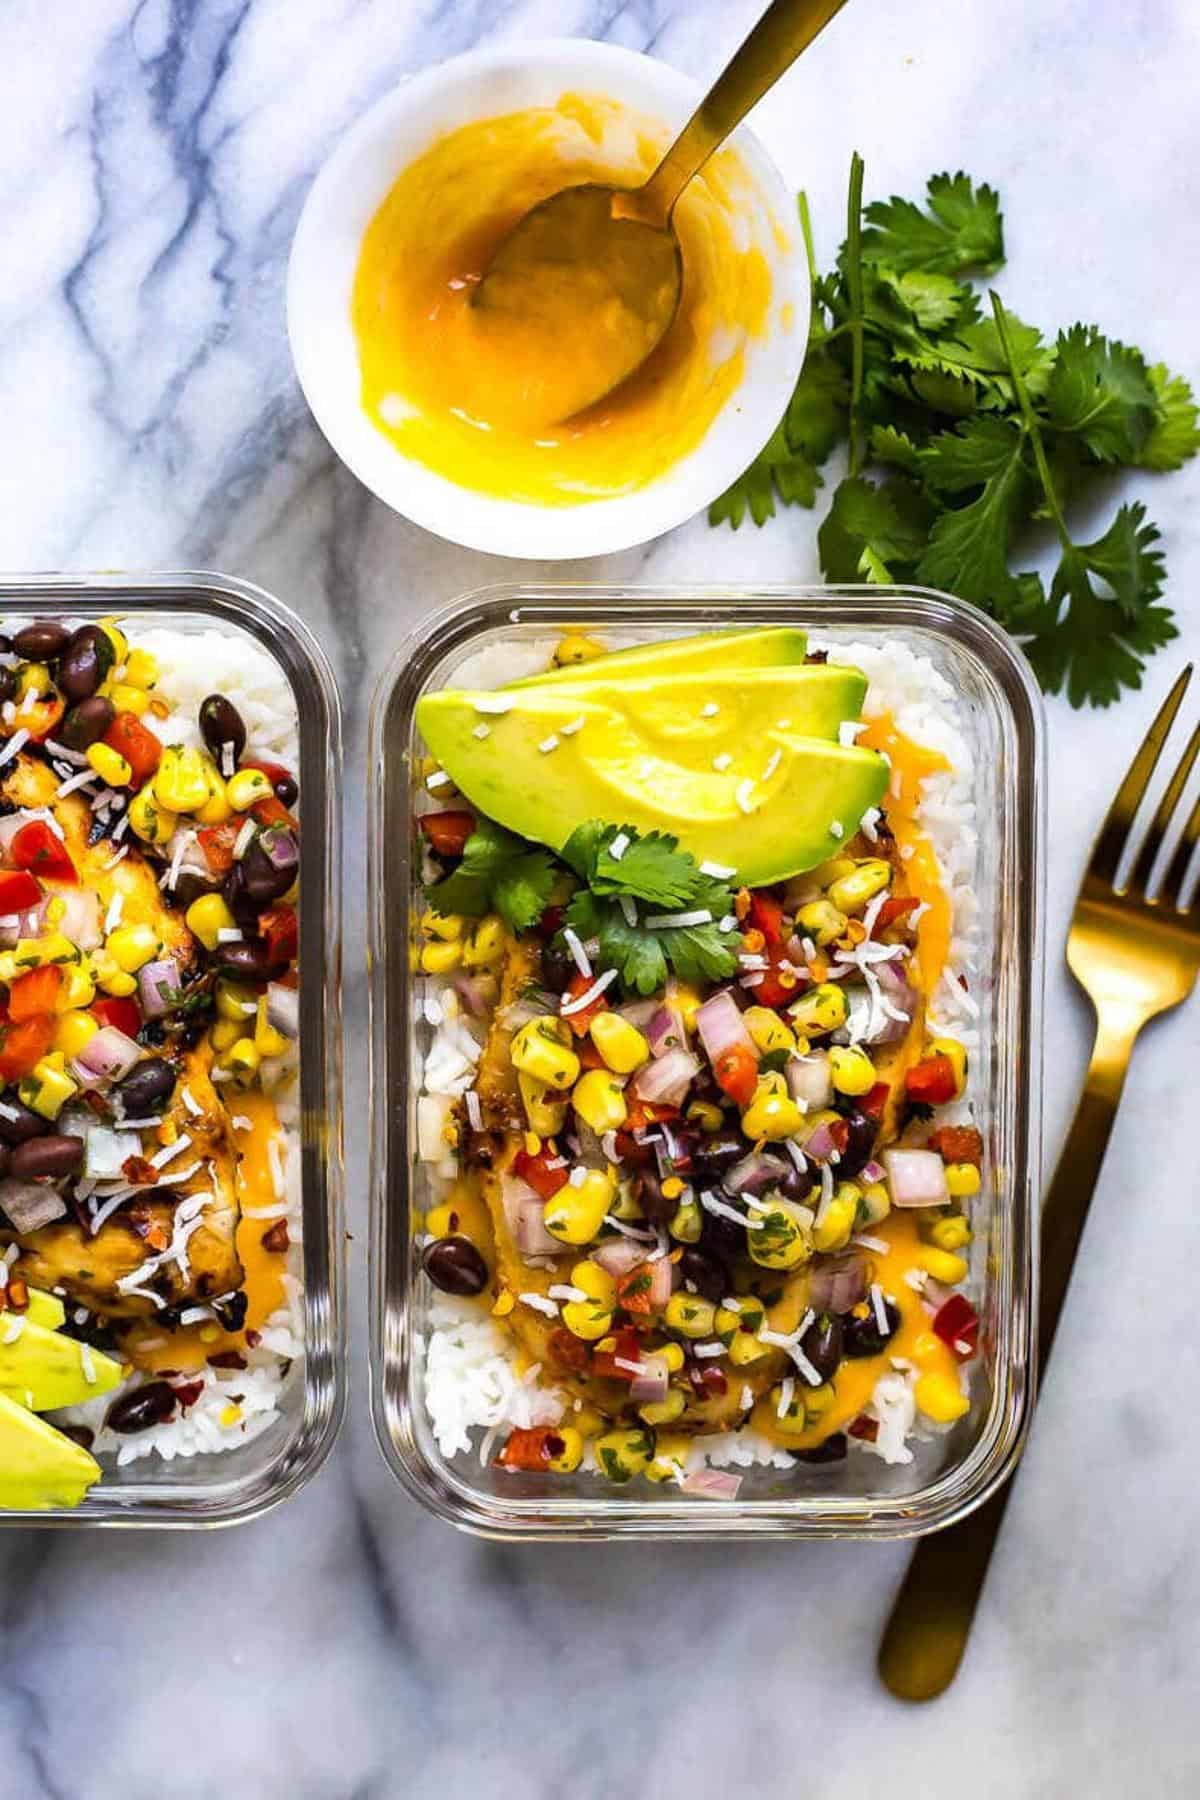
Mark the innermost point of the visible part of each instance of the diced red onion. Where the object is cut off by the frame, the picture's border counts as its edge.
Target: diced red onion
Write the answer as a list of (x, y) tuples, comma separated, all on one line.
[(619, 1255), (916, 1177), (29, 924), (872, 1171), (721, 1026), (649, 1386), (753, 1174), (639, 1012), (837, 1286), (935, 1293), (523, 1213), (9, 828), (29, 1205), (821, 1143), (283, 1010), (664, 1082), (711, 1484), (809, 1080), (108, 1056), (106, 1151), (476, 993), (160, 987), (665, 1031), (81, 917), (662, 1280)]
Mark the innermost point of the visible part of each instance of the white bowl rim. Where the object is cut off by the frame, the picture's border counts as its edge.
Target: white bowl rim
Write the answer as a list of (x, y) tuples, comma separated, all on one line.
[(324, 255)]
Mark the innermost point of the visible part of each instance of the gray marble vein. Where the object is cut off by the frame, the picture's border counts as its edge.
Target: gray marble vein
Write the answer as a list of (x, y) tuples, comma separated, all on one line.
[(153, 160)]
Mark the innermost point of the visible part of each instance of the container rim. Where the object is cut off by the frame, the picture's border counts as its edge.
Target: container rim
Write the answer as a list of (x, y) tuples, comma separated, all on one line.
[(979, 1474)]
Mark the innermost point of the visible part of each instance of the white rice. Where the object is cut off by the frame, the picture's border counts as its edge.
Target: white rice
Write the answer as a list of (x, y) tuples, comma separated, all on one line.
[(470, 1373), (191, 666)]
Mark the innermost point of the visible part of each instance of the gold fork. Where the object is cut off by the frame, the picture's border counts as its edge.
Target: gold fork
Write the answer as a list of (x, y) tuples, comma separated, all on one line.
[(1135, 956)]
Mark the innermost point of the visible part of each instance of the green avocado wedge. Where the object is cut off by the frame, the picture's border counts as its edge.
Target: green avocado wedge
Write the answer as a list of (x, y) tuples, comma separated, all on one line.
[(739, 788), (45, 1309), (40, 1469), (772, 646), (42, 1369)]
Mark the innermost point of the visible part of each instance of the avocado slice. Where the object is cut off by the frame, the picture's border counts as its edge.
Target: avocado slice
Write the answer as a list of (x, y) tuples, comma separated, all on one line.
[(40, 1468), (46, 1309), (42, 1369), (785, 801), (770, 646)]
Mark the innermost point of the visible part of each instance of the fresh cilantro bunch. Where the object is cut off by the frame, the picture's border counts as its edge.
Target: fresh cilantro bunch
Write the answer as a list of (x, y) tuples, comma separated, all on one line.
[(499, 872), (653, 878), (976, 430)]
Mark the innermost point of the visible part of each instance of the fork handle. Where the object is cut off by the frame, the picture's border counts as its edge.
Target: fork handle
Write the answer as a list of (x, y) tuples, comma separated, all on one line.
[(930, 1622)]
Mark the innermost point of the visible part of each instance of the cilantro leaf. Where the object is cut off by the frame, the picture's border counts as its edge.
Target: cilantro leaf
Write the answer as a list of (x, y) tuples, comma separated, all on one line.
[(1101, 390), (1084, 642), (1174, 436), (704, 952), (815, 420), (891, 445), (500, 870), (776, 472), (968, 548), (962, 229), (871, 530), (652, 866), (974, 354), (639, 954)]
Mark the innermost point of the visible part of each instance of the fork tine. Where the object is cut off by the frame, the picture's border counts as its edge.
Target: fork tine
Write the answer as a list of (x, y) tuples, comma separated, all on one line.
[(1106, 854), (1173, 880), (1164, 812)]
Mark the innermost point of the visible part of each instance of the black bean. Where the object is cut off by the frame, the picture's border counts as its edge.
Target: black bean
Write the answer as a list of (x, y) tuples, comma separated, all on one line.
[(721, 1234), (151, 1404), (713, 1156), (706, 1272), (862, 1337), (654, 1203), (146, 1089), (830, 1450), (221, 724), (455, 1265), (25, 1124), (5, 643), (794, 1183), (53, 1156), (822, 1345), (248, 962), (241, 903), (5, 1160), (287, 790), (8, 685), (85, 662), (40, 643), (190, 885), (232, 1309), (267, 877), (87, 723), (78, 1434), (860, 1144), (558, 965)]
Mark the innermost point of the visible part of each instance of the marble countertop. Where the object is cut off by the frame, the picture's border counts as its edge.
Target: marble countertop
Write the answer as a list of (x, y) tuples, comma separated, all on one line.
[(153, 158)]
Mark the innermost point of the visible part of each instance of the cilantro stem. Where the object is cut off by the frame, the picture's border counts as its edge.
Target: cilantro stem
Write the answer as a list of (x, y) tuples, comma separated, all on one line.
[(1030, 420), (810, 253), (854, 290)]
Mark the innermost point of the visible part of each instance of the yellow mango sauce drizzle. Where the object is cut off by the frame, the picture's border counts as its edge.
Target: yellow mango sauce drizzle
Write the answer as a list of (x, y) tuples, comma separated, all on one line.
[(854, 1382), (453, 392), (147, 1345), (911, 764)]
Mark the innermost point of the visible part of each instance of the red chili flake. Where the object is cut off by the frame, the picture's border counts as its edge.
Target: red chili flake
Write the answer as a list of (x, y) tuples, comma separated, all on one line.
[(139, 1172), (227, 1359), (275, 1238), (16, 1295), (188, 1393)]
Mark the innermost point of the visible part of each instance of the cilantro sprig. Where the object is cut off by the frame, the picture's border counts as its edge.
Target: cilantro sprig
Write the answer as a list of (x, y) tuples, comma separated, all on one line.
[(499, 872), (966, 428)]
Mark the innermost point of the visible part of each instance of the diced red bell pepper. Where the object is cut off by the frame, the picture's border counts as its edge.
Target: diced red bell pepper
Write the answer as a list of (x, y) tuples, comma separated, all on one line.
[(34, 992), (567, 1351), (24, 1044), (280, 930), (863, 1427), (217, 843), (957, 1323), (19, 890), (579, 1021), (42, 852), (648, 1112), (635, 1290), (632, 1154), (874, 1100), (531, 1450), (897, 907), (447, 832), (931, 1082), (766, 915), (958, 1144), (551, 921), (706, 1381), (276, 773), (137, 744), (124, 1015), (736, 1070), (273, 812), (536, 1171), (626, 1349), (779, 984)]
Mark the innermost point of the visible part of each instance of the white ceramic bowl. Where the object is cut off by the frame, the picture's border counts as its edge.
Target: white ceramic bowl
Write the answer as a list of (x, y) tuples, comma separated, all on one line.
[(348, 191)]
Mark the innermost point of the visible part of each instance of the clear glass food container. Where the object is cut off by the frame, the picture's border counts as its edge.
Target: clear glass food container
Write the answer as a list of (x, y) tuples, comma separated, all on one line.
[(241, 1483), (862, 1496)]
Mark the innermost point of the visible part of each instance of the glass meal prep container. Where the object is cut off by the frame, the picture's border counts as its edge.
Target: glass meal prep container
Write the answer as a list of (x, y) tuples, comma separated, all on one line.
[(861, 1496), (246, 1480)]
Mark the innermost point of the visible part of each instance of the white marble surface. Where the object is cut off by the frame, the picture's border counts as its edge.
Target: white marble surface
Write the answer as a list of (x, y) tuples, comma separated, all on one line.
[(152, 162)]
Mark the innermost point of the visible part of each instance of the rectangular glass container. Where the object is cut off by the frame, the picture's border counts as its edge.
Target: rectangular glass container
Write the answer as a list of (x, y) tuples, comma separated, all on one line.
[(861, 1496), (244, 1482)]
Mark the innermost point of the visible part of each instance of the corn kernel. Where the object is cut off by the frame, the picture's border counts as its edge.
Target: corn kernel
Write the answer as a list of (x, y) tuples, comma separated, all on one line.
[(850, 893), (486, 945), (141, 669), (439, 959), (545, 1110), (772, 1113), (230, 1414), (74, 1031), (78, 988), (47, 1090), (744, 1348), (708, 1117), (568, 1459), (940, 1398), (268, 1041), (821, 921), (242, 1061), (671, 1452), (874, 1205), (621, 1044), (783, 1241), (247, 788), (833, 1229), (56, 910), (542, 1049), (767, 1030), (116, 637), (446, 927), (664, 1412), (110, 765), (672, 1188), (234, 1001), (128, 699), (119, 984), (180, 784), (821, 1010), (687, 1221), (575, 1214), (132, 946), (690, 1314), (586, 1319), (216, 809), (622, 1454), (35, 678), (826, 873), (687, 1001), (672, 1355), (148, 819), (851, 1069), (588, 1421), (575, 648), (595, 1282), (951, 1233), (441, 1220), (599, 1100), (504, 1304), (962, 1180), (208, 916), (943, 1266), (223, 1034)]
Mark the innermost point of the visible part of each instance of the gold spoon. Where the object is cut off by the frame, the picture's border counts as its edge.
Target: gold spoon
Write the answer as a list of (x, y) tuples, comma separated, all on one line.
[(606, 260)]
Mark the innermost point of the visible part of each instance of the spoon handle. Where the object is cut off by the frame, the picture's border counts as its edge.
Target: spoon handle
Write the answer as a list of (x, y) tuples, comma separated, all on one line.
[(785, 29)]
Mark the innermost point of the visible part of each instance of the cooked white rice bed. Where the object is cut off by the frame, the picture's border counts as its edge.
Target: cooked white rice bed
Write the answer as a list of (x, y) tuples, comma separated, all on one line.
[(470, 1376), (193, 664)]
